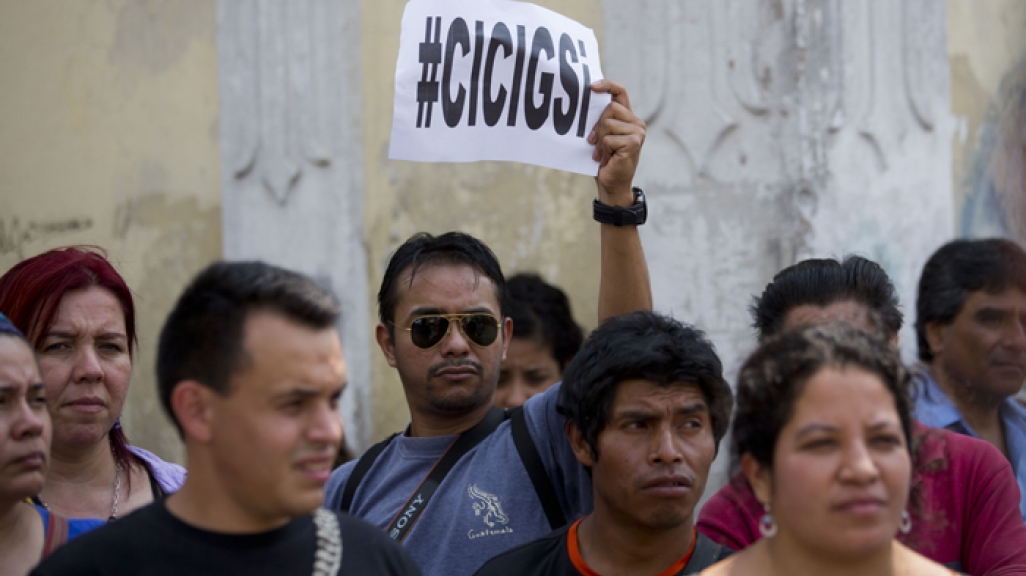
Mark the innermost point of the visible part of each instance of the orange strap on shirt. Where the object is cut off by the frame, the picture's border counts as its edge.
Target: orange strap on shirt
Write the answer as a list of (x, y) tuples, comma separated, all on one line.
[(56, 534), (575, 554)]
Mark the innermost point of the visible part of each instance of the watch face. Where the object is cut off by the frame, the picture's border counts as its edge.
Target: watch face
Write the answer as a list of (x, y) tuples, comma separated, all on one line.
[(641, 205)]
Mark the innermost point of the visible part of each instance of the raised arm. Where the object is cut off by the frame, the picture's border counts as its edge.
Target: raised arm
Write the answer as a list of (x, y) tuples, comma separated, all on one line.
[(618, 136)]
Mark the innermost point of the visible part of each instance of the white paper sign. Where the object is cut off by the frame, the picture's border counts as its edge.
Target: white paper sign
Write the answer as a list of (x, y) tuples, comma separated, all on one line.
[(495, 80)]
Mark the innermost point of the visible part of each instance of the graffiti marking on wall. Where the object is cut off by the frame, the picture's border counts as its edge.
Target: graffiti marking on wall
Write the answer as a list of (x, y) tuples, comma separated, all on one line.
[(14, 234)]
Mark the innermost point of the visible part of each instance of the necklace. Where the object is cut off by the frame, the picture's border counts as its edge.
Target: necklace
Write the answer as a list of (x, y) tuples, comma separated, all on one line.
[(117, 493)]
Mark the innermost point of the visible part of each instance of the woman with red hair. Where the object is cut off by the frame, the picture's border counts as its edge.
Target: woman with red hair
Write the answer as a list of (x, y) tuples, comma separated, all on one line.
[(78, 314)]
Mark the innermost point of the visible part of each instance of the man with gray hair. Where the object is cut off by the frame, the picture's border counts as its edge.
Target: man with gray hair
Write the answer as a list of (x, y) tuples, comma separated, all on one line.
[(971, 333)]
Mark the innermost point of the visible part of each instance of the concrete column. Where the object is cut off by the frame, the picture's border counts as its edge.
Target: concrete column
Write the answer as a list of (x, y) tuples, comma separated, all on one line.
[(292, 157)]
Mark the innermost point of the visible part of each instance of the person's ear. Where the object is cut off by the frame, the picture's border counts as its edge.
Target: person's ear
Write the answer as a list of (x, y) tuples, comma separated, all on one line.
[(935, 332), (582, 450), (759, 478), (384, 338), (191, 405), (507, 333)]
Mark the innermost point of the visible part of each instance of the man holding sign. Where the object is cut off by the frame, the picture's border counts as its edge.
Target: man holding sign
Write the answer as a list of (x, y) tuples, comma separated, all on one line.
[(465, 481), (489, 80)]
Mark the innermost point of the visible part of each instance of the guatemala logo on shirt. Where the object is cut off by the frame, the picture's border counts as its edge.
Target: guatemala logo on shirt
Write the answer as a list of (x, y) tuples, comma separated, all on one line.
[(487, 507)]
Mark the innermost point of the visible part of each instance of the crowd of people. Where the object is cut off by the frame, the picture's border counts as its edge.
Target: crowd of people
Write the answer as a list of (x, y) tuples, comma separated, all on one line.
[(530, 449)]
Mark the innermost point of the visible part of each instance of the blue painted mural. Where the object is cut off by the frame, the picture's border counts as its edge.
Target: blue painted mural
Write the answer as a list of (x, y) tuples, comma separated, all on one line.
[(996, 180)]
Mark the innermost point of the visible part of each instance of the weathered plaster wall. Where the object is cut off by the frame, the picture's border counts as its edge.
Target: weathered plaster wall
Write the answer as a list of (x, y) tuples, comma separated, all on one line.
[(109, 136), (781, 130), (533, 218), (987, 49)]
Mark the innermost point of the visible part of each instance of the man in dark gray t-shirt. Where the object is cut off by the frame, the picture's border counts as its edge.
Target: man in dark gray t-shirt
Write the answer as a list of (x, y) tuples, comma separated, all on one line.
[(647, 406), (250, 370)]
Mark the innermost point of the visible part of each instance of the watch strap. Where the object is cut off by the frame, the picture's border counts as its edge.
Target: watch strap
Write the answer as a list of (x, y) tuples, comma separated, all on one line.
[(634, 215)]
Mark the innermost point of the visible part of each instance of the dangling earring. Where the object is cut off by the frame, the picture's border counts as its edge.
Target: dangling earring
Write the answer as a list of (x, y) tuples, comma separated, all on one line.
[(906, 522), (767, 524)]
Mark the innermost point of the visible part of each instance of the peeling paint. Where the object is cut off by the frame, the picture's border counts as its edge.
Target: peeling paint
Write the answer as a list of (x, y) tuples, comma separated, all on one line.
[(153, 35)]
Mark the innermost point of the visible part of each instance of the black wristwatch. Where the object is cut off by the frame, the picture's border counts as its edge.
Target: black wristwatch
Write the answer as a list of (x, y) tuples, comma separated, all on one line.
[(635, 215)]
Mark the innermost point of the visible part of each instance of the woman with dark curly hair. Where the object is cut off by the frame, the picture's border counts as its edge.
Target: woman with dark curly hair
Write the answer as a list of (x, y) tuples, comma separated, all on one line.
[(822, 426), (78, 314)]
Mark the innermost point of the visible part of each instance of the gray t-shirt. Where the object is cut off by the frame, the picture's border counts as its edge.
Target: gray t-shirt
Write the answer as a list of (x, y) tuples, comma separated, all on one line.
[(486, 504)]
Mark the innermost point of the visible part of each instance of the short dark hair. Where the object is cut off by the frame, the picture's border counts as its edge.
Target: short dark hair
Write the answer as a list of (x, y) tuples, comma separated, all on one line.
[(773, 378), (423, 249), (203, 337), (643, 345), (822, 282), (542, 312), (958, 269), (8, 329)]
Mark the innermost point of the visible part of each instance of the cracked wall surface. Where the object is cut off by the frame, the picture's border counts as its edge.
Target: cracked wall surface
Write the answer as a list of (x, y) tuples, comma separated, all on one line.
[(778, 130)]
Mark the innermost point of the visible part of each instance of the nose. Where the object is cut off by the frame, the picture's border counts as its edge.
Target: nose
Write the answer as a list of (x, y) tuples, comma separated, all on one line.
[(28, 423), (326, 426), (455, 342), (87, 366), (667, 446), (515, 393), (858, 465), (1015, 336)]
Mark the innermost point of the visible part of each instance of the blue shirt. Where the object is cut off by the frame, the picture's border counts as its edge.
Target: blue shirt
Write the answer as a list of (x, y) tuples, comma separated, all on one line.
[(76, 526), (485, 505), (934, 408)]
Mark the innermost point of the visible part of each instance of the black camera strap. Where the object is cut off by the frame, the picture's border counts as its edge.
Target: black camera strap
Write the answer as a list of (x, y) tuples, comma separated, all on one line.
[(411, 511), (525, 448)]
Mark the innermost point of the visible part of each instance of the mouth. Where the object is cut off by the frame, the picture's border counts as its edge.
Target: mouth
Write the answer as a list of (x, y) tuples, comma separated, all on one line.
[(862, 506), (455, 373), (316, 468), (31, 461), (670, 486), (1019, 367), (89, 404)]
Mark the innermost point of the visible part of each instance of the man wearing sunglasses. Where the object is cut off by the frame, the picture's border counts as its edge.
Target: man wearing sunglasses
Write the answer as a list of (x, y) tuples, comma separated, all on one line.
[(465, 482)]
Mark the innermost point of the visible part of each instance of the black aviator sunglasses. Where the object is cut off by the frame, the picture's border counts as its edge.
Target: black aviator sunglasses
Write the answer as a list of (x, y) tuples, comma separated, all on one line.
[(481, 329)]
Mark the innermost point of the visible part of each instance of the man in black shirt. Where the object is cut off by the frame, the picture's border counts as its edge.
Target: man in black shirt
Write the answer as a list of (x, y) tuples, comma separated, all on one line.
[(250, 369), (646, 407)]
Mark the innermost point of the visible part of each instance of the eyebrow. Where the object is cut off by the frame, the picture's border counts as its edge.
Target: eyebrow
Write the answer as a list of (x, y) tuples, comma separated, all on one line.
[(303, 392), (813, 428), (428, 311), (102, 336), (31, 388), (640, 414)]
